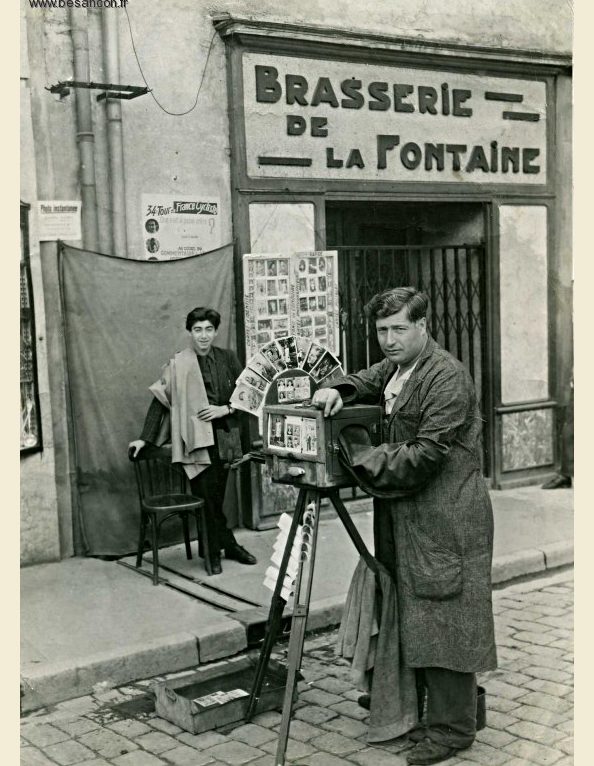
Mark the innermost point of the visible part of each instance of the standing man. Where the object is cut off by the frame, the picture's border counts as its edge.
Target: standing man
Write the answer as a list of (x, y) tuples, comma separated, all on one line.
[(437, 538), (191, 406)]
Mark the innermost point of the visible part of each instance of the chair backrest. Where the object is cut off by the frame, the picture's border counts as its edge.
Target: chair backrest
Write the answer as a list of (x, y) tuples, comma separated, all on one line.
[(156, 474)]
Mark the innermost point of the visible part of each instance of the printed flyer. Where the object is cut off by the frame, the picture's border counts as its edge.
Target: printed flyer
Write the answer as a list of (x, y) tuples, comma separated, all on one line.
[(179, 225)]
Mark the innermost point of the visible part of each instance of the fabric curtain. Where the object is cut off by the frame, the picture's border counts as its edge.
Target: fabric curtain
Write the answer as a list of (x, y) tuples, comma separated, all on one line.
[(123, 320)]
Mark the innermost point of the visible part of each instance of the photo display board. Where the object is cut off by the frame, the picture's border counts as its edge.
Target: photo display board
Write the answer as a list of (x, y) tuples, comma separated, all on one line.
[(291, 294), (283, 371)]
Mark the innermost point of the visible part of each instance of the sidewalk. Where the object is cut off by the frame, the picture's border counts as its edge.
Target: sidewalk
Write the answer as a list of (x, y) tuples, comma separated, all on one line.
[(88, 624), (529, 707)]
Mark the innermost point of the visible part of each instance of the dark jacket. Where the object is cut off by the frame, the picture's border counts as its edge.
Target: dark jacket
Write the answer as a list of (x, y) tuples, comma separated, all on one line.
[(227, 369), (437, 540)]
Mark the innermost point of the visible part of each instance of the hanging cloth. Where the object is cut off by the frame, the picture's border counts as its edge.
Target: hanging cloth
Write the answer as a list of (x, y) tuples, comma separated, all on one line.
[(369, 636)]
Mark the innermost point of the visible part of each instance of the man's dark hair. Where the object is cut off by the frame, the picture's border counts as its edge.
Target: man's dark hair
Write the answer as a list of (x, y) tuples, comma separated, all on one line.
[(202, 314), (392, 301)]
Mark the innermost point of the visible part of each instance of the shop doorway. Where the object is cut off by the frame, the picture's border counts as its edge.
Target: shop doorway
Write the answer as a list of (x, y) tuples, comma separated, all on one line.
[(436, 247)]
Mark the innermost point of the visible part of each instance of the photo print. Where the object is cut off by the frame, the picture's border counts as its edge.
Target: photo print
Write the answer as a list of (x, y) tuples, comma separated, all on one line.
[(314, 355), (326, 364), (303, 345), (263, 367), (274, 355), (276, 431), (309, 437), (271, 268), (288, 348), (247, 398), (251, 378)]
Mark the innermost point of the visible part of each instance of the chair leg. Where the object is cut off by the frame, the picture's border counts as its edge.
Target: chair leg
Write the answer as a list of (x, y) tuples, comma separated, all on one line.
[(186, 526), (141, 539), (202, 535), (155, 544)]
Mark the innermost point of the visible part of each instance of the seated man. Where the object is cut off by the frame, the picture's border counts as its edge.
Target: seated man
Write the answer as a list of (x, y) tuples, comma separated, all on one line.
[(191, 405)]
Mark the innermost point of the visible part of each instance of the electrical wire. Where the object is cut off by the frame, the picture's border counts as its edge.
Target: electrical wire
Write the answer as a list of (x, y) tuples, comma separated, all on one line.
[(173, 114)]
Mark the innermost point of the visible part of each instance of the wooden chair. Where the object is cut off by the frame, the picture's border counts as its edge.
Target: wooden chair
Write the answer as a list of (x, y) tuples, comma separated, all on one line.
[(163, 491)]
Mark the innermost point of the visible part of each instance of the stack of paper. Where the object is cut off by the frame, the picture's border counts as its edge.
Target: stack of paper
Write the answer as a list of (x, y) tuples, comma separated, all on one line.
[(300, 548)]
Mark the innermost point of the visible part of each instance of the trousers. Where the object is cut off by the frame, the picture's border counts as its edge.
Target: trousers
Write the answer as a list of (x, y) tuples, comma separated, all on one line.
[(210, 485), (450, 705)]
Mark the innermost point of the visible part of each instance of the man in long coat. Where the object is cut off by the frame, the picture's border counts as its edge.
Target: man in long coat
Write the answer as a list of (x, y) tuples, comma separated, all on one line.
[(436, 539)]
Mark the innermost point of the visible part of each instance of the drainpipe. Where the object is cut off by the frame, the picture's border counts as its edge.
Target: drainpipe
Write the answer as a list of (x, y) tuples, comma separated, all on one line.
[(111, 65), (84, 128)]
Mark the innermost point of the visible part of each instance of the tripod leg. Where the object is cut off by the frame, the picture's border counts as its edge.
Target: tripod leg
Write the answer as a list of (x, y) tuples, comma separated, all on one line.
[(275, 614), (352, 531), (300, 611)]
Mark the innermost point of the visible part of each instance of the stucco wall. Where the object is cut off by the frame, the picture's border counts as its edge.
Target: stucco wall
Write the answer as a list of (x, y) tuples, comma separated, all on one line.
[(526, 24), (40, 539)]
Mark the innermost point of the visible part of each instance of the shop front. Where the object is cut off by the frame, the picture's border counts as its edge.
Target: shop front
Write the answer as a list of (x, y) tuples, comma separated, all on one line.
[(440, 166)]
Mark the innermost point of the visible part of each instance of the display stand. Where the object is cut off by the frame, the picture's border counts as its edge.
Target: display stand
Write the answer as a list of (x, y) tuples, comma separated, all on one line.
[(308, 505)]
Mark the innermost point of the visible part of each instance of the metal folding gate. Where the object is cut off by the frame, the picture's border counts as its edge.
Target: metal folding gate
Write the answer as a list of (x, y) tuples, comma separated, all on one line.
[(453, 277)]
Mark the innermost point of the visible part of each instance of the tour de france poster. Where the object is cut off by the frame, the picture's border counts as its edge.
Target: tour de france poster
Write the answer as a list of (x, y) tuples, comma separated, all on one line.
[(179, 225)]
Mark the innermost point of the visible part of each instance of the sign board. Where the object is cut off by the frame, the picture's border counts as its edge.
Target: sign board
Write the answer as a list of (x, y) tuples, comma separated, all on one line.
[(179, 225), (315, 118), (59, 220)]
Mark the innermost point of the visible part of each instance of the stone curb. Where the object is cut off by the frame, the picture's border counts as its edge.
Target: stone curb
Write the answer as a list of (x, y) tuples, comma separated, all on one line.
[(56, 682)]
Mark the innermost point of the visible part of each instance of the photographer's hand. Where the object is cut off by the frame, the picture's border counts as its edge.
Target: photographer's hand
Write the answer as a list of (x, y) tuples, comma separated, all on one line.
[(329, 400)]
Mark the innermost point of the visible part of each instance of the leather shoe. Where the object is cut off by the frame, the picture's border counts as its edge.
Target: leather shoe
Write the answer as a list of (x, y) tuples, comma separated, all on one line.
[(418, 733), (427, 752), (237, 552), (558, 482), (215, 564), (364, 701)]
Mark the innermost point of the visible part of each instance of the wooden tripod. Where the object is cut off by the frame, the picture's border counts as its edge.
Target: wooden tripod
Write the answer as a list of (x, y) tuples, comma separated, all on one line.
[(308, 506)]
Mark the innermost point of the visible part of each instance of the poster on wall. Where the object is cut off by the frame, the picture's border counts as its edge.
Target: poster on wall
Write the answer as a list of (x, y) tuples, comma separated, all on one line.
[(59, 220), (291, 294), (179, 225)]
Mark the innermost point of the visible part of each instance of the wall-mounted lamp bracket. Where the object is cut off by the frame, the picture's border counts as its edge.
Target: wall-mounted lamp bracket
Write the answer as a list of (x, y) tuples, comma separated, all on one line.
[(110, 90)]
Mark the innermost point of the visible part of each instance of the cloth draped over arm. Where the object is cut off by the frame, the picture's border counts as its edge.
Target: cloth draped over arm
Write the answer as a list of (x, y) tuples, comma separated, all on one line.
[(181, 391)]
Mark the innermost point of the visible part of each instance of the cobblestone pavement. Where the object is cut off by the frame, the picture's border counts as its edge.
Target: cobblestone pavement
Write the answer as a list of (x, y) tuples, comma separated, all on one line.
[(529, 707)]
